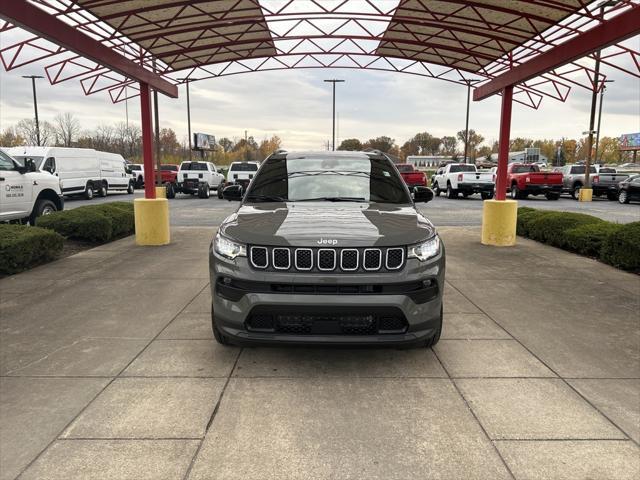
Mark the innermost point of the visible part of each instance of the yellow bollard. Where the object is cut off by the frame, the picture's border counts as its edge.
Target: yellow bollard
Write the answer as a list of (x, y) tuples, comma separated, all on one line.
[(499, 219), (152, 221), (585, 194)]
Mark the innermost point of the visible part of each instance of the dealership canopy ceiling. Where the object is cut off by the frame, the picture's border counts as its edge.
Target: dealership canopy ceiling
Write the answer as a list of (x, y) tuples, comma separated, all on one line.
[(459, 41)]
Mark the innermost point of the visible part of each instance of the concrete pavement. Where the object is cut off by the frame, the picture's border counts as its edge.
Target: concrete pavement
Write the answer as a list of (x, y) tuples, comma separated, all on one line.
[(109, 371)]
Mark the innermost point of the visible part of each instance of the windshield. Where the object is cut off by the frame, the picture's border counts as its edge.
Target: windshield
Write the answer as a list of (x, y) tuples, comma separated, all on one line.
[(5, 162), (193, 166), (405, 168), (330, 179), (37, 160), (462, 168), (243, 167)]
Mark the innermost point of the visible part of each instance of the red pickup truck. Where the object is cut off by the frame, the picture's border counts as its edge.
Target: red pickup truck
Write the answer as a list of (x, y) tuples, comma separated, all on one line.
[(524, 180), (411, 176)]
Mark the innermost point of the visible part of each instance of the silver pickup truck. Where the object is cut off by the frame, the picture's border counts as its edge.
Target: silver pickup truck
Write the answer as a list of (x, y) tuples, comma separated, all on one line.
[(606, 182), (573, 178)]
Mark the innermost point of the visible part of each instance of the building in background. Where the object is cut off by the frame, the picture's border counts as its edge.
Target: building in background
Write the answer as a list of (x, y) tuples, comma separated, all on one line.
[(528, 155), (431, 161)]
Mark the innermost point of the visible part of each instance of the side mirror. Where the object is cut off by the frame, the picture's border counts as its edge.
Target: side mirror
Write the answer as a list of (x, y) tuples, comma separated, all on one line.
[(233, 193), (422, 194)]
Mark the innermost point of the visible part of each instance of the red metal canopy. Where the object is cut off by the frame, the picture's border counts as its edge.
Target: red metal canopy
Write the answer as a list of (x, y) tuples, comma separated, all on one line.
[(453, 40)]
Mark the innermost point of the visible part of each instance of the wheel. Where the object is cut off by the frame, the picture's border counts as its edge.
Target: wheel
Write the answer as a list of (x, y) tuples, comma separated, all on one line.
[(432, 342), (217, 334), (130, 188), (437, 190), (139, 182), (486, 195), (575, 192), (88, 193), (203, 191), (612, 196), (42, 207), (552, 196), (515, 193), (219, 191), (451, 193), (102, 191), (171, 190), (623, 196)]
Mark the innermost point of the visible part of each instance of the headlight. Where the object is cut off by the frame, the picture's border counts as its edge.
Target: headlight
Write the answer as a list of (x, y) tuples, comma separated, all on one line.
[(228, 249), (426, 250)]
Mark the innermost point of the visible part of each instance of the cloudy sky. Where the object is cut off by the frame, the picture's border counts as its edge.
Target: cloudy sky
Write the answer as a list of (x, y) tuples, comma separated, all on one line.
[(296, 106)]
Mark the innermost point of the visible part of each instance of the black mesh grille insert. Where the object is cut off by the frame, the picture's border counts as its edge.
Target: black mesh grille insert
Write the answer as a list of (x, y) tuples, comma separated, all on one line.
[(326, 259), (372, 259), (395, 257), (391, 324), (304, 259), (261, 322), (259, 257), (349, 259), (281, 259)]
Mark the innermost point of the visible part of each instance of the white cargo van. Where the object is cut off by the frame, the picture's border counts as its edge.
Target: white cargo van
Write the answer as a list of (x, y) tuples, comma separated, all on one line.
[(82, 171), (26, 193)]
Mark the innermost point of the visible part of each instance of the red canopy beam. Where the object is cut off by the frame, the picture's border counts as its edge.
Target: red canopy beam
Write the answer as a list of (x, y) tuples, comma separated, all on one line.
[(41, 23), (617, 29)]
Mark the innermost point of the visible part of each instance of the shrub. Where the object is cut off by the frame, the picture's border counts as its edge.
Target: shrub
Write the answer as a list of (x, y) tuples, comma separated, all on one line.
[(621, 248), (588, 239), (551, 227), (525, 216), (92, 223), (23, 247)]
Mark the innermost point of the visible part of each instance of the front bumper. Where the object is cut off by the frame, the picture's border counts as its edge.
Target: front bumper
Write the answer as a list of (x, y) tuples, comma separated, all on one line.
[(279, 294)]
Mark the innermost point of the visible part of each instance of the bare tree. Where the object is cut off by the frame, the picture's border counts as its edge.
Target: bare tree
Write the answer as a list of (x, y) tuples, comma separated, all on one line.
[(27, 129), (67, 127)]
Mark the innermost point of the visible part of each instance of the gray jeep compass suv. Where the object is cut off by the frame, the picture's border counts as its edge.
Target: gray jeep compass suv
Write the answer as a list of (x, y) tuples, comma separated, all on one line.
[(327, 247)]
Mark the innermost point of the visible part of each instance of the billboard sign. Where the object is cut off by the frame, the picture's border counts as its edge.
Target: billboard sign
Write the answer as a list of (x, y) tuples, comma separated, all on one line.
[(203, 141), (630, 141)]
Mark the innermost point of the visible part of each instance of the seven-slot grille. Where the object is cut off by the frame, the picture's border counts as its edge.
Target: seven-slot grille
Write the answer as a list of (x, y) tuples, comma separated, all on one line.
[(360, 260)]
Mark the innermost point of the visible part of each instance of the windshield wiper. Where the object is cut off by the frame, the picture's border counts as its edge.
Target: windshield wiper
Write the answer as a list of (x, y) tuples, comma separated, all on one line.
[(332, 199), (265, 198)]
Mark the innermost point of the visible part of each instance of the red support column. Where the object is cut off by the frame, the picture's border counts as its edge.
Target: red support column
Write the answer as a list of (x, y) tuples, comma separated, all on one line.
[(147, 142), (503, 148)]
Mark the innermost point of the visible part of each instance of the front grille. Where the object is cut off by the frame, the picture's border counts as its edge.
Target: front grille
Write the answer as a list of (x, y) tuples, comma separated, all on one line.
[(326, 259), (281, 258), (349, 321), (353, 260)]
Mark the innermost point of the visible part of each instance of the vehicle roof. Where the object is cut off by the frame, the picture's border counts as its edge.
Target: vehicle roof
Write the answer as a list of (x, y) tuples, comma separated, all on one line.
[(33, 150), (374, 154), (245, 161)]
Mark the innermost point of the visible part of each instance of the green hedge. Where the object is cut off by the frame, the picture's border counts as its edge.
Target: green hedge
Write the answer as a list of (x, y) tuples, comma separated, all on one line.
[(622, 248), (611, 243), (23, 247), (92, 223)]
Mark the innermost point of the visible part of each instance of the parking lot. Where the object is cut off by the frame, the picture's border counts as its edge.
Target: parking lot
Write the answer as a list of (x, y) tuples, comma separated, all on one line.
[(191, 211), (109, 370)]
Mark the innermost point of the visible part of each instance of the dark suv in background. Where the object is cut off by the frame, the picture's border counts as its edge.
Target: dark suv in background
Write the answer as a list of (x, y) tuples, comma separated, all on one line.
[(327, 247)]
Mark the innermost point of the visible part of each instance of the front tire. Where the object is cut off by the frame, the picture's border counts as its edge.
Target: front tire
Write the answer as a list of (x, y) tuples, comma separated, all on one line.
[(437, 190), (217, 334), (42, 207), (623, 196), (171, 190), (130, 188), (219, 191)]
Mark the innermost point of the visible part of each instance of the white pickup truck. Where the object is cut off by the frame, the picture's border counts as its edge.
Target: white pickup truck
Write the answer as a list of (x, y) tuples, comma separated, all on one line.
[(463, 178), (198, 178), (26, 193)]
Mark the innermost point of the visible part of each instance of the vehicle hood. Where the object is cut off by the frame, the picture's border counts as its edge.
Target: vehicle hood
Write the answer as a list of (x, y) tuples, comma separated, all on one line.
[(307, 224)]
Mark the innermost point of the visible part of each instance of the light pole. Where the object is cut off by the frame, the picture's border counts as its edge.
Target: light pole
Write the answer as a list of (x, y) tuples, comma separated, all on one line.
[(334, 81), (187, 81), (604, 87), (35, 103), (466, 128), (594, 99)]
